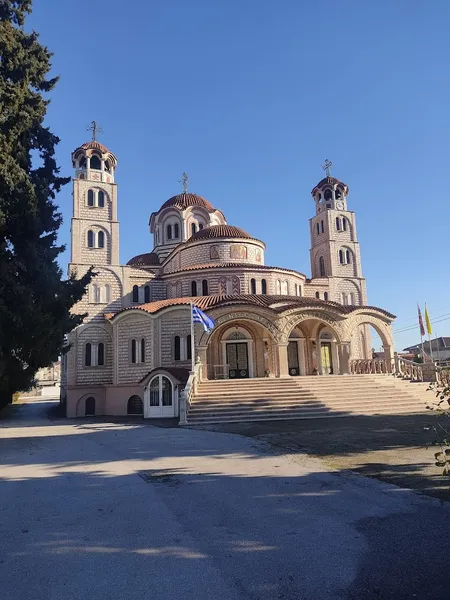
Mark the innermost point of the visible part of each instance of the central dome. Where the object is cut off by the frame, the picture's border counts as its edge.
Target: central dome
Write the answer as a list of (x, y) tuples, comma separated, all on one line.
[(220, 231), (184, 200)]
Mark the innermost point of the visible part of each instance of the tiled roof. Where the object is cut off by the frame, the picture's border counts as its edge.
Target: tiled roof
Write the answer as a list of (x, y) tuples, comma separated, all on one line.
[(184, 200), (142, 260), (231, 265), (220, 231), (94, 145), (280, 303), (329, 181)]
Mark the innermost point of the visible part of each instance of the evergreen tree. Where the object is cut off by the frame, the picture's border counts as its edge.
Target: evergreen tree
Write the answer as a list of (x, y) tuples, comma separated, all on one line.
[(35, 302)]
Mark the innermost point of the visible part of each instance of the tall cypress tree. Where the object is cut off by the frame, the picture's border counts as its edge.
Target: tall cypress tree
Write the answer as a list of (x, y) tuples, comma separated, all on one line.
[(35, 301)]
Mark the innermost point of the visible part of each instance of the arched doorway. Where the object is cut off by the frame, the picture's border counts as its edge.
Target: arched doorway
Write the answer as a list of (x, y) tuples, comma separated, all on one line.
[(90, 406), (160, 397), (237, 353), (296, 352)]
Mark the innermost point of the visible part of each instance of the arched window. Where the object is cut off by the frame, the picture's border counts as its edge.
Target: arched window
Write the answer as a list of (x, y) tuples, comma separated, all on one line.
[(338, 223), (204, 287), (325, 296), (101, 355), (352, 299), (88, 355), (143, 350), (263, 286), (299, 290), (133, 351), (328, 195), (341, 257), (317, 295), (348, 256), (193, 288), (177, 348), (90, 197), (189, 347), (135, 406), (278, 287), (318, 227), (89, 406), (135, 293), (322, 266), (101, 199), (95, 162), (107, 293), (176, 231), (96, 293), (344, 224), (90, 238), (101, 239), (200, 226), (193, 228), (169, 232), (321, 226), (147, 293), (252, 286), (337, 193)]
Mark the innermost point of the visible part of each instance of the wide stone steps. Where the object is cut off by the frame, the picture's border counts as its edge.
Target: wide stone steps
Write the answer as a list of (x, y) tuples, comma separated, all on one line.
[(301, 398)]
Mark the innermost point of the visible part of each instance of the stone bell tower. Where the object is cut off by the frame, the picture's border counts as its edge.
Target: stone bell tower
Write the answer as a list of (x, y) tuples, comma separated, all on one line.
[(95, 228), (335, 251)]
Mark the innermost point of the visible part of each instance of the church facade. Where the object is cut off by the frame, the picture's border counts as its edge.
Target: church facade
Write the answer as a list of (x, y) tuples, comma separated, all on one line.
[(133, 352)]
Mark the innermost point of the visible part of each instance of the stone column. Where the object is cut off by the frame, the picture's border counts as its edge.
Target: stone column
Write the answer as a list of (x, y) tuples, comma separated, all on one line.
[(283, 359), (344, 358), (201, 354), (388, 352)]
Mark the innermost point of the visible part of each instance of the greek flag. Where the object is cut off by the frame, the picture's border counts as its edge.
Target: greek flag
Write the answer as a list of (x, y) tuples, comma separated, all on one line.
[(198, 316)]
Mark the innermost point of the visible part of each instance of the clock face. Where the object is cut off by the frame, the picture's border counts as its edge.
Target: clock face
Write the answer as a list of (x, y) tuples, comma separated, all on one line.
[(339, 205)]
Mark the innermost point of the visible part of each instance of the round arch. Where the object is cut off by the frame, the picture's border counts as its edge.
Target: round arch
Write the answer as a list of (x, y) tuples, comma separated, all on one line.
[(381, 327)]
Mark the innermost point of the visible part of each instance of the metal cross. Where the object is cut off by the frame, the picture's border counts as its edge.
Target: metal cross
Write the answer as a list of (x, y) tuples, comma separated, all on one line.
[(96, 129), (327, 166), (184, 180)]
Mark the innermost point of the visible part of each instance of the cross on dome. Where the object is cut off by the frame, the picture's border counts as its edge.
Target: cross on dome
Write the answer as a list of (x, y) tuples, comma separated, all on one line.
[(96, 129), (184, 180), (327, 166)]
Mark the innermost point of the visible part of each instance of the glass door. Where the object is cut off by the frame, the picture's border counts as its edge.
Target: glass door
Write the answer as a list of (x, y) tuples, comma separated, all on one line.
[(161, 397)]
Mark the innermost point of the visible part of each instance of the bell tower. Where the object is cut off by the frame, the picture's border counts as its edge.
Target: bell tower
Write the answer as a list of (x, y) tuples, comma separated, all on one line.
[(335, 252), (95, 228)]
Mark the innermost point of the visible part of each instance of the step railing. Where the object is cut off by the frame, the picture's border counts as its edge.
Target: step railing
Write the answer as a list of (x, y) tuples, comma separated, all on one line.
[(370, 366), (190, 390), (408, 369)]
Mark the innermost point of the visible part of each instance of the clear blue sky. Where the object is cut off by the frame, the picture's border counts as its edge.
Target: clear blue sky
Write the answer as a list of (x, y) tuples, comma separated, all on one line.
[(249, 97)]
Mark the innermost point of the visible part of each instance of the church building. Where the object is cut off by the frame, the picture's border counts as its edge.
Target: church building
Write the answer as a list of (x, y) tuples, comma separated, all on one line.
[(133, 352)]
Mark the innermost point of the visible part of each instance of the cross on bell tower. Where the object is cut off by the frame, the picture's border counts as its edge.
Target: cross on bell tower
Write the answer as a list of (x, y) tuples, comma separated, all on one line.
[(96, 129), (327, 167)]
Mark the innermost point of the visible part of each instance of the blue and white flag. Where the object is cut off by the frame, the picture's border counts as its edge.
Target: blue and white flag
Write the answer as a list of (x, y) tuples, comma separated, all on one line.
[(198, 316)]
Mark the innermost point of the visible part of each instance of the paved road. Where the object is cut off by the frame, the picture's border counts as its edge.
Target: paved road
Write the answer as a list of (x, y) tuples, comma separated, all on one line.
[(108, 511)]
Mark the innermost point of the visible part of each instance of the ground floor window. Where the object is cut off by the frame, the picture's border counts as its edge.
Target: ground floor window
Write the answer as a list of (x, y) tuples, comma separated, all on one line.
[(135, 406), (90, 406)]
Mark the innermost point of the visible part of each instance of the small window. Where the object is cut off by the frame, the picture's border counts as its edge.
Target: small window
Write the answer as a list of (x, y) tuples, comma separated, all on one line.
[(169, 232), (176, 231), (263, 286), (252, 286), (200, 226), (328, 195), (299, 290), (143, 350), (135, 293), (318, 228), (204, 287), (278, 287), (193, 228), (317, 295), (96, 162), (107, 293), (88, 355), (101, 199), (101, 355), (193, 288), (101, 239), (328, 206), (147, 293), (90, 238), (135, 406), (177, 348), (325, 296), (89, 409), (90, 197), (344, 224), (96, 294), (133, 351), (322, 266), (321, 226), (348, 256), (341, 257), (338, 223), (189, 347)]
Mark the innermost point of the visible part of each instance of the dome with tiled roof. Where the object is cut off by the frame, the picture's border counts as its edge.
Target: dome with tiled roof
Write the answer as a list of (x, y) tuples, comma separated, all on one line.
[(329, 181), (185, 200), (93, 147), (144, 260), (220, 231)]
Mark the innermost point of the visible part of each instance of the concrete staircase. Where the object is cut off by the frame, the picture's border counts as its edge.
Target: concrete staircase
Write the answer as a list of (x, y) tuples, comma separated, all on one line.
[(227, 401)]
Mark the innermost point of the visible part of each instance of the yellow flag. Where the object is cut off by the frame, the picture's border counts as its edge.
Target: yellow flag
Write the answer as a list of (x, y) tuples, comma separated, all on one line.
[(427, 321)]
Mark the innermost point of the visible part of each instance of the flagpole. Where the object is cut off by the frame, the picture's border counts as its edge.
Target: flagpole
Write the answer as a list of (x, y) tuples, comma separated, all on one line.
[(192, 339), (427, 319), (422, 331)]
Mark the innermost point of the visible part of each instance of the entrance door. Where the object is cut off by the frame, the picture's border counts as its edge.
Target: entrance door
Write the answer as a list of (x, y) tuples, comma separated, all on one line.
[(327, 362), (294, 368), (237, 359), (161, 397)]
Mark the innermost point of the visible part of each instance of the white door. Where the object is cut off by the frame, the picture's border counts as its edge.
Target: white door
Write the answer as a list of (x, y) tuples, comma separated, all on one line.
[(161, 397)]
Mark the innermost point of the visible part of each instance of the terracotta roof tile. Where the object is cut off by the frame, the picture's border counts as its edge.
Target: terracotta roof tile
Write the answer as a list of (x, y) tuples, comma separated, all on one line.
[(184, 200), (142, 260), (220, 231), (231, 265)]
